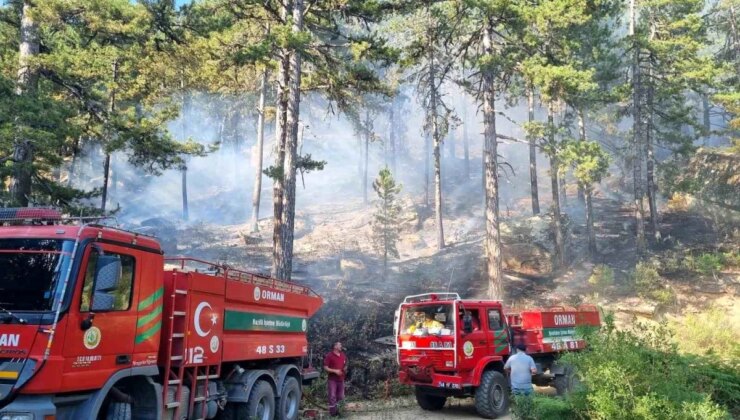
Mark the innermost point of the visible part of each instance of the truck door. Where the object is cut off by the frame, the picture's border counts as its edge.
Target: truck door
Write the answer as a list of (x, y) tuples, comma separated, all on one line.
[(102, 321), (474, 344), (498, 333)]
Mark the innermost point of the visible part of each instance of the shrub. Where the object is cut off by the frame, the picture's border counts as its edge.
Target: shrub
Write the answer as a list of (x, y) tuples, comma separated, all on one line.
[(639, 374), (709, 263), (539, 407), (649, 285)]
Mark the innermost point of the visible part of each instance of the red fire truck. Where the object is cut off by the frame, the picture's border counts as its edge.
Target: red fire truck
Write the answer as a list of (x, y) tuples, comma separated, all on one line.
[(96, 324), (450, 347)]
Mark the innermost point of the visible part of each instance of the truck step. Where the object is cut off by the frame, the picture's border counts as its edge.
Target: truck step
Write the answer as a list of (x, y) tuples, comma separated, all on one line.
[(172, 404), (175, 357), (173, 382), (179, 313), (199, 399), (181, 292), (178, 335)]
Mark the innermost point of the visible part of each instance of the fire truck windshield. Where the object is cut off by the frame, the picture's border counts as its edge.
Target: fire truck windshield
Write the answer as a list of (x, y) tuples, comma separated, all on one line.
[(31, 272), (427, 320)]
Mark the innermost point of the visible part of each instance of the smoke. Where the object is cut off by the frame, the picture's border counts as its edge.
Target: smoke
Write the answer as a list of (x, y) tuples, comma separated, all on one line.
[(219, 185)]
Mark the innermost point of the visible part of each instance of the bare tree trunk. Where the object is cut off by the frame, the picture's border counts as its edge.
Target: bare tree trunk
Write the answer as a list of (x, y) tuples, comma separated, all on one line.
[(493, 235), (706, 108), (291, 149), (651, 183), (590, 222), (106, 164), (554, 163), (437, 146), (637, 136), (73, 164), (532, 154), (466, 143), (451, 144), (257, 192), (27, 83), (582, 137), (427, 154), (365, 162), (392, 136), (278, 185), (183, 136)]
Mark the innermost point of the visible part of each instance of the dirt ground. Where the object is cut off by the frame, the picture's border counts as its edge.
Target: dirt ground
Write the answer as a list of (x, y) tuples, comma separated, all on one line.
[(458, 409)]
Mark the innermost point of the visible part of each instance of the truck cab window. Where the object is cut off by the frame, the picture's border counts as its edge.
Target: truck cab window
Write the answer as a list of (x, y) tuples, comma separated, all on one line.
[(494, 319), (122, 295)]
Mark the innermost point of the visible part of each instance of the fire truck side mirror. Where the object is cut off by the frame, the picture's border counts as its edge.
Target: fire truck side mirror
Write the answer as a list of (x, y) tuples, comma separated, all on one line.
[(108, 273), (396, 320)]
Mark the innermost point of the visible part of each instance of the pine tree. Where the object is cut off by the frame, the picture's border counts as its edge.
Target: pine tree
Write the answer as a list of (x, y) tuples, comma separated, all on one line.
[(386, 224), (590, 164)]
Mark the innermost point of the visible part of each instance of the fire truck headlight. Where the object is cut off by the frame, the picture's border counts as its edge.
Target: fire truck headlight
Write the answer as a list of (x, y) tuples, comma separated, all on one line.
[(16, 416)]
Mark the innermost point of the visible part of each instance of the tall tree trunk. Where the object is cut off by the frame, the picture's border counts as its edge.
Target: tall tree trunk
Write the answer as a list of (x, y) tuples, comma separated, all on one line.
[(27, 83), (581, 137), (532, 154), (493, 235), (466, 143), (427, 155), (706, 114), (637, 136), (590, 222), (365, 161), (291, 148), (278, 185), (184, 136), (392, 136), (437, 146), (451, 143), (257, 192), (651, 183), (73, 164), (106, 164), (554, 164)]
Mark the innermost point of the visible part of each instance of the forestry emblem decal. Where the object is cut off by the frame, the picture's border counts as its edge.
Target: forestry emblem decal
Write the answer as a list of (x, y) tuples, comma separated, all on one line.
[(468, 348), (92, 338), (257, 293)]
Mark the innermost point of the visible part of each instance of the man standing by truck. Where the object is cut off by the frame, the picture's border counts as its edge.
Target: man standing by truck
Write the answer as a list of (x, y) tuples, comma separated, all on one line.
[(520, 368), (335, 364)]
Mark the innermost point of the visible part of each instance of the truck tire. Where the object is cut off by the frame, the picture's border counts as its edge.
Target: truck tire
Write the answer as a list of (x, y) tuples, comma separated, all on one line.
[(289, 403), (429, 402), (261, 404), (567, 382), (119, 411), (492, 396)]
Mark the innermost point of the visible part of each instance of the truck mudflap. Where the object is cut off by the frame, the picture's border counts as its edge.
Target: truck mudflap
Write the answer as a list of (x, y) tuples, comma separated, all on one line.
[(30, 407)]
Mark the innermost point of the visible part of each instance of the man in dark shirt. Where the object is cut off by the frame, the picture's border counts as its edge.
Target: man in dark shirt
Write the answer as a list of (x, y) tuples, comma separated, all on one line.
[(335, 364)]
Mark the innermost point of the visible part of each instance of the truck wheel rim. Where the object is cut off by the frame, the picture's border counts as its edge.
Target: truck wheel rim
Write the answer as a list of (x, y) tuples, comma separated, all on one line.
[(498, 396), (263, 410), (291, 408)]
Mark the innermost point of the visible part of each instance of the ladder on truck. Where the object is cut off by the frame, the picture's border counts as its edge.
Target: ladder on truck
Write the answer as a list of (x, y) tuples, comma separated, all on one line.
[(176, 371)]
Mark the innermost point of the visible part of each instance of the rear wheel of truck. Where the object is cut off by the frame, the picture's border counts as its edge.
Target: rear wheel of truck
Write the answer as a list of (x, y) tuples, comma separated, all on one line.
[(492, 396), (429, 402), (288, 404), (261, 404), (567, 382)]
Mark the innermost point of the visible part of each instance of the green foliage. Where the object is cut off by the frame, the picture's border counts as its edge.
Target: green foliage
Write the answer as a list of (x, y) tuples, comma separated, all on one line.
[(386, 225), (709, 263), (589, 161), (648, 284), (538, 407), (639, 374), (712, 332)]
